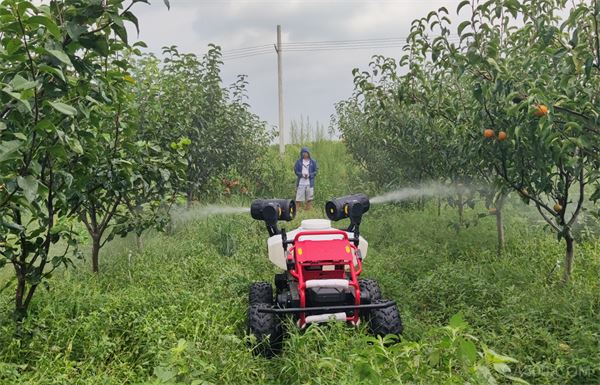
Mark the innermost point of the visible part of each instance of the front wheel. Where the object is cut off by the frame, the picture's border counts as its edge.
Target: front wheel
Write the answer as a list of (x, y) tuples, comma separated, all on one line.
[(267, 329), (385, 320)]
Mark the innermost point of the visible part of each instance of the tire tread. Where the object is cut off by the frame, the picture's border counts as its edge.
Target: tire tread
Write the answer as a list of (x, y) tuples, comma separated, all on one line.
[(260, 292)]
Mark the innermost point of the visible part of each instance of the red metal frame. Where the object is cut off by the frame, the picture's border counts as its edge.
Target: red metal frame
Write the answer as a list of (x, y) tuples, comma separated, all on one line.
[(310, 255)]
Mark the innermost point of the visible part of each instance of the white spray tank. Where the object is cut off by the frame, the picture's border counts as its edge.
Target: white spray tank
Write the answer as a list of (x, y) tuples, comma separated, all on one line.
[(275, 246)]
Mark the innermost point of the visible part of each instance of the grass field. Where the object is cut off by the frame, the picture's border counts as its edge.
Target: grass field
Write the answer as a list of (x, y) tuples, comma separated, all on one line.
[(175, 313)]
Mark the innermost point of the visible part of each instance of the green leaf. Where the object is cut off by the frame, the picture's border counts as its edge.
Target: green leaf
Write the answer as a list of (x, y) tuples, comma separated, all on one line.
[(75, 30), (13, 226), (2, 126), (8, 283), (75, 145), (118, 20), (63, 108), (17, 96), (434, 358), (366, 373), (494, 358), (60, 55), (461, 5), (430, 15), (121, 32), (462, 26), (46, 22), (23, 6), (493, 63), (101, 46), (501, 368), (517, 132), (457, 321), (468, 351), (45, 125), (132, 18), (53, 71), (19, 83), (168, 4), (9, 150), (29, 185), (484, 373), (164, 374)]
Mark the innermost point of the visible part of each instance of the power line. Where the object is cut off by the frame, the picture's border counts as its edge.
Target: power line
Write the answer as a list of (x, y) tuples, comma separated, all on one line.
[(346, 41), (349, 46), (367, 44), (247, 55), (334, 42), (249, 48), (313, 48), (325, 45)]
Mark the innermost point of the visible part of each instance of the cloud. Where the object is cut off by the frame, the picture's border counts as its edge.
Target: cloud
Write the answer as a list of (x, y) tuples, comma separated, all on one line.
[(313, 81)]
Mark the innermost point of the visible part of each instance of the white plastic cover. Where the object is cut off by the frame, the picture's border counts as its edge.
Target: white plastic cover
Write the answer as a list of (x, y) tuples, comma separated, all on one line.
[(326, 317), (315, 224), (335, 283), (275, 248)]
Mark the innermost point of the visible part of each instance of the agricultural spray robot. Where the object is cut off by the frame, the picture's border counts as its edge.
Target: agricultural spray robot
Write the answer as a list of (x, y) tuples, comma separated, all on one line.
[(320, 281)]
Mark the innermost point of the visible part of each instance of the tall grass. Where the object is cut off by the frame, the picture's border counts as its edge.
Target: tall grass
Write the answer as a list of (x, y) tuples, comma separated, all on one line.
[(175, 313)]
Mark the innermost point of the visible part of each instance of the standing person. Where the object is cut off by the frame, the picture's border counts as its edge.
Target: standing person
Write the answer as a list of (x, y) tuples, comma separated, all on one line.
[(305, 169)]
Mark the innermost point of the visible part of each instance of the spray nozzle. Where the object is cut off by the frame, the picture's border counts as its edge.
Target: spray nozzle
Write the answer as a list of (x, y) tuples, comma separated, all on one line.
[(271, 211), (350, 206)]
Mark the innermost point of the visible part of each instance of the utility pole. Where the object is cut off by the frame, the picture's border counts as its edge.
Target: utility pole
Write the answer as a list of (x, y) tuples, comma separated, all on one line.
[(278, 49)]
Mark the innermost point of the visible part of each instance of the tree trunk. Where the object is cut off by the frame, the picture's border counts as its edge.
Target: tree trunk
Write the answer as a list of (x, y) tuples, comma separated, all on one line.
[(439, 207), (500, 229), (500, 224), (139, 242), (20, 306), (461, 209), (569, 257), (95, 253), (190, 197)]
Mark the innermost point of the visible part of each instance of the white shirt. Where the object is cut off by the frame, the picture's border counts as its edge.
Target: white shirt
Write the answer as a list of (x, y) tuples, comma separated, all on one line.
[(305, 172)]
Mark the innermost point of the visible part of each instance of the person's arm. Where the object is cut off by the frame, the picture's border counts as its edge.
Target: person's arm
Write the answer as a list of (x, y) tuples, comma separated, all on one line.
[(312, 174), (298, 169)]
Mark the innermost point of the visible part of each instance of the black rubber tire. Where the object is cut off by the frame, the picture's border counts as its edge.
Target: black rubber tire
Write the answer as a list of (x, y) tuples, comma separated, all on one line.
[(260, 292), (372, 287), (385, 321), (267, 329)]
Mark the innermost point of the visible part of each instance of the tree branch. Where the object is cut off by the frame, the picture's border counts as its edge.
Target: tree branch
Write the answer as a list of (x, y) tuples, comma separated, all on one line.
[(580, 200), (31, 68), (597, 39), (548, 220), (110, 214), (529, 196), (83, 217)]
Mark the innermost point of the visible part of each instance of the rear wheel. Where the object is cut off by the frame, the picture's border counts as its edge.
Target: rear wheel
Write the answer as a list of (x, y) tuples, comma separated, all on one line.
[(260, 292), (370, 286), (267, 329), (385, 320)]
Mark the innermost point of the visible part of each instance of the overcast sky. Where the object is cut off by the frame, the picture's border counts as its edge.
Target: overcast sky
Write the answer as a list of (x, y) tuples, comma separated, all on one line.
[(313, 81)]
